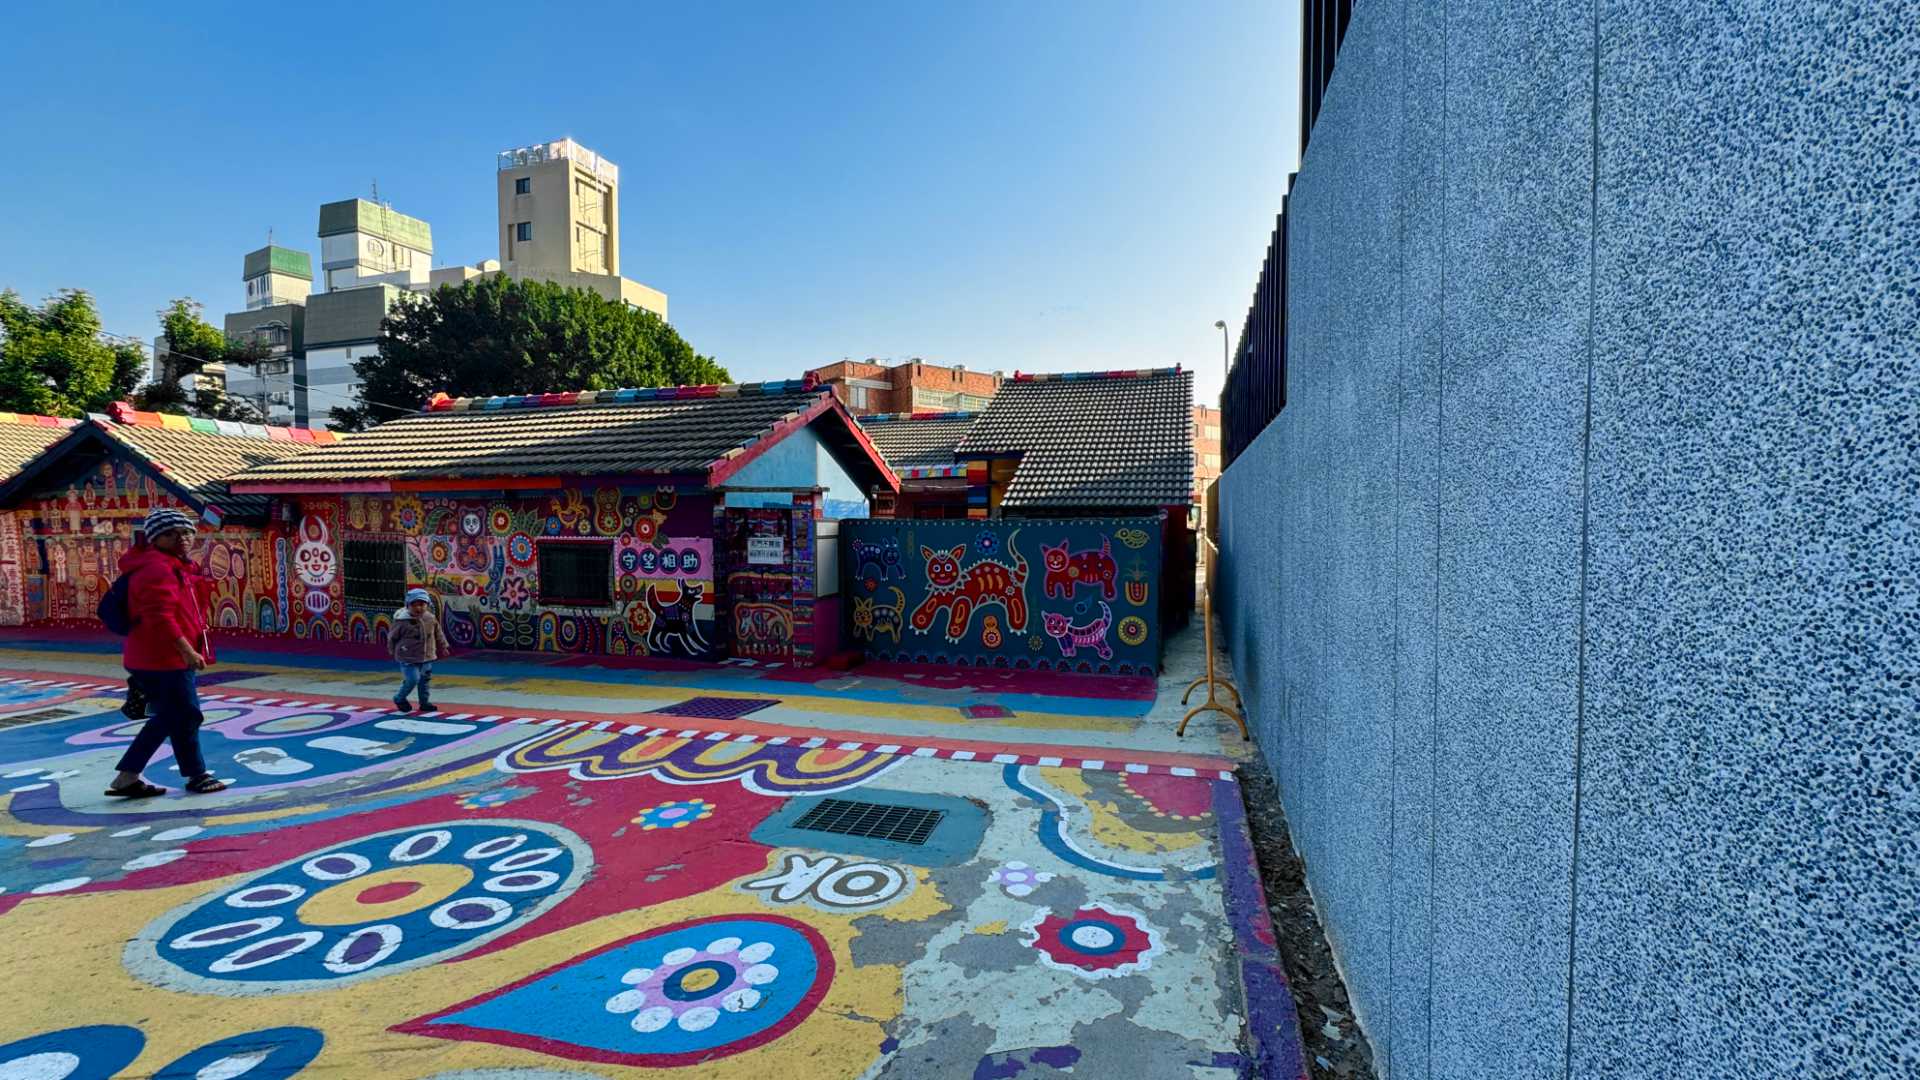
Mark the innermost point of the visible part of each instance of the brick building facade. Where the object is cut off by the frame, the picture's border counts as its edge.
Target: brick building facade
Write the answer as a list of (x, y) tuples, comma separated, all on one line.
[(1206, 451), (868, 386)]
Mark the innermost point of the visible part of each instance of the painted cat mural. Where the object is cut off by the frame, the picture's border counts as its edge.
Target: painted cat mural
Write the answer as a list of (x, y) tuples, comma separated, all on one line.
[(872, 618), (1068, 570), (1072, 638), (962, 592)]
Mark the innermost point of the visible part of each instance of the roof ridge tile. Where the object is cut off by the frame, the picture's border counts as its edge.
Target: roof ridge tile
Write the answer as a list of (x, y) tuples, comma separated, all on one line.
[(441, 403), (123, 413)]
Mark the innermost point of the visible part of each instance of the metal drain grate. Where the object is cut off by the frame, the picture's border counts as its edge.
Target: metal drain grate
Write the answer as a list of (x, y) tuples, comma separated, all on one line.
[(713, 708), (877, 821), (212, 678), (18, 719)]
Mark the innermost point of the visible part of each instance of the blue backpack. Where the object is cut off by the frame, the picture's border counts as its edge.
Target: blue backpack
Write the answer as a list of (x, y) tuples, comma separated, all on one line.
[(113, 611)]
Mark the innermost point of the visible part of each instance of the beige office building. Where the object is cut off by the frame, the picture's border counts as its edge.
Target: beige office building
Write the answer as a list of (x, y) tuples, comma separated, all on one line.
[(559, 207)]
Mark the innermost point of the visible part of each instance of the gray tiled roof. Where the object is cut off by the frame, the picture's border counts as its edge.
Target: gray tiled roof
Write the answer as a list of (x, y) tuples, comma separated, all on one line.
[(908, 443), (657, 436), (201, 463), (21, 442), (1091, 440)]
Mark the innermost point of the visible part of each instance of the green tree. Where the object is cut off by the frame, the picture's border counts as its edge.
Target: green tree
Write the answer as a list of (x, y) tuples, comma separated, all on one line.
[(190, 343), (495, 335), (55, 361)]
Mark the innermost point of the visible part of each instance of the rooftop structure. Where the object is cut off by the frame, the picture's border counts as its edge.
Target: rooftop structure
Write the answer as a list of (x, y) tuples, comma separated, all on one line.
[(560, 150), (363, 243), (276, 275)]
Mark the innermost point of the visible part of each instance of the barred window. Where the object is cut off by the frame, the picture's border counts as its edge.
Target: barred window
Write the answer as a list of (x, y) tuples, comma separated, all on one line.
[(375, 573), (576, 573)]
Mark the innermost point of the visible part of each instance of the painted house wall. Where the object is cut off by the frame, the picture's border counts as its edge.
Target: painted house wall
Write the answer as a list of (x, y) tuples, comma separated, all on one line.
[(60, 550), (1070, 594), (770, 605), (800, 460), (1573, 590), (479, 555)]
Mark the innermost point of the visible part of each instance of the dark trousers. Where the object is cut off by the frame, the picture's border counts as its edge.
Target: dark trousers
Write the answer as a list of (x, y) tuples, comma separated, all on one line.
[(173, 705)]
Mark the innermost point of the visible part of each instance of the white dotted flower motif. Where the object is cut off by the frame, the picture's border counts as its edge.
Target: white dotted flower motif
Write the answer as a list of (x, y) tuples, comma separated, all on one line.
[(1017, 878), (692, 987), (385, 902)]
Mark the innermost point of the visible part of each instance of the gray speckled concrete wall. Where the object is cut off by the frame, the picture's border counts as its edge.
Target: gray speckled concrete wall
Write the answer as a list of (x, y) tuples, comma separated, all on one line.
[(1574, 592)]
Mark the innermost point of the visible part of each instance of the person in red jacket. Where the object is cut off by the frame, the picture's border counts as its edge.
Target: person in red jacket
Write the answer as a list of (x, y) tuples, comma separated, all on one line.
[(167, 598)]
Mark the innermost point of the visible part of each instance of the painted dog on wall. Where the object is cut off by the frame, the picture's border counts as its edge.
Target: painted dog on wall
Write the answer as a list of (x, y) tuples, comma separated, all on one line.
[(675, 620)]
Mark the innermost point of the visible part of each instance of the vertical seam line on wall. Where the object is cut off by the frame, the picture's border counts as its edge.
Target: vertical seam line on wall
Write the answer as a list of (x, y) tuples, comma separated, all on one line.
[(1439, 469), (1586, 499), (1399, 446)]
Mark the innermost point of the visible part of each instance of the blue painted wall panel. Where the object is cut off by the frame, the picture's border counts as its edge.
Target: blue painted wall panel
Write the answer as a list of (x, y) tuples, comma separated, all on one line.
[(1594, 711), (1513, 379), (1402, 1008), (1343, 591), (1750, 871), (1080, 594)]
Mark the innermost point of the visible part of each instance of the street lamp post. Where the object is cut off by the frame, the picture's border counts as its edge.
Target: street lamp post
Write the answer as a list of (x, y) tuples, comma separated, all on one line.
[(1225, 366)]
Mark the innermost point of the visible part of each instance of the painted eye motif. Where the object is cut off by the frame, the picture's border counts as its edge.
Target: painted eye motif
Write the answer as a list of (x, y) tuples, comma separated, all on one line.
[(385, 903), (682, 994)]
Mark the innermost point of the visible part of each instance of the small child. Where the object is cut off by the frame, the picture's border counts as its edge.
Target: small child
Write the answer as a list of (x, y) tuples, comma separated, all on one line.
[(417, 641)]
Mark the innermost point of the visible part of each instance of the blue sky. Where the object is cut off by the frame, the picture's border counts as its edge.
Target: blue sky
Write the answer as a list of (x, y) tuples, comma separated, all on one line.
[(1047, 186)]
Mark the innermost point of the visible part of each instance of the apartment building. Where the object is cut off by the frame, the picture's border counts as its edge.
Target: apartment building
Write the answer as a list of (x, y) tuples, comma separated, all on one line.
[(874, 386)]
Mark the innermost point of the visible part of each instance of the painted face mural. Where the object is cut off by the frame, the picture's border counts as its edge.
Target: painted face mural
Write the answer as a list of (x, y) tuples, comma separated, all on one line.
[(943, 567), (313, 559)]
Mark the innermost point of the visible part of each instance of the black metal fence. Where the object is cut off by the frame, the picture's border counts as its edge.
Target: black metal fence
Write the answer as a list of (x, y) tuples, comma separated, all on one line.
[(1323, 23), (1256, 388)]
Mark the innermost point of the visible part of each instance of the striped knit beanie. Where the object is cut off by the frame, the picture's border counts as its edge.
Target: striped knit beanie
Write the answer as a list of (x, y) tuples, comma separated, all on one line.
[(164, 520)]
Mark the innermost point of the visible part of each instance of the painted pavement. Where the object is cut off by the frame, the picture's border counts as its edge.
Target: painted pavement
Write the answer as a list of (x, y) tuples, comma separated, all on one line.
[(1108, 713), (460, 895)]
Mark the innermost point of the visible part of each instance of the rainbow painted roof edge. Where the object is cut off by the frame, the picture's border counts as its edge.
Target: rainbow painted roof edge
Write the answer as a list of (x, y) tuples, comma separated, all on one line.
[(125, 415), (1075, 376), (37, 420)]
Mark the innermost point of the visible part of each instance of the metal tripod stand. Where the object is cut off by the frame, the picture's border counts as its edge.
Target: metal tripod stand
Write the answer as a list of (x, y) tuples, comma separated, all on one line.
[(1209, 554)]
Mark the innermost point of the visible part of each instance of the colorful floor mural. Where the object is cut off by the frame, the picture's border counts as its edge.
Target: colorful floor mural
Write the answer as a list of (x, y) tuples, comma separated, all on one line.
[(1109, 712), (490, 896)]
